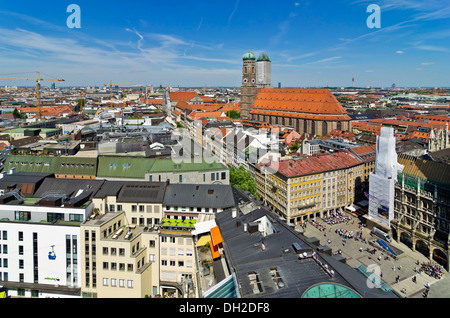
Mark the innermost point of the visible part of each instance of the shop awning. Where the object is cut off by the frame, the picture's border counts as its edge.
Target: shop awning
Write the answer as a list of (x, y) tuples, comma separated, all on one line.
[(203, 240)]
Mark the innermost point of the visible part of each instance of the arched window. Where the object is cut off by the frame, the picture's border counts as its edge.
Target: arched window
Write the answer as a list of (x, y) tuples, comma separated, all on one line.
[(324, 128), (313, 127), (339, 125), (245, 69)]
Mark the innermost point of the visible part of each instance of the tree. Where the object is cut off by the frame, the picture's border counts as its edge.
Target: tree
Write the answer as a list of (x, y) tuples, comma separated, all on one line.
[(242, 179), (18, 114), (295, 147), (233, 114)]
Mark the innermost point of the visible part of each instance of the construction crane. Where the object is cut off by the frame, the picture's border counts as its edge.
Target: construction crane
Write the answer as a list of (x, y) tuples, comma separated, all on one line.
[(38, 80), (82, 100), (111, 90)]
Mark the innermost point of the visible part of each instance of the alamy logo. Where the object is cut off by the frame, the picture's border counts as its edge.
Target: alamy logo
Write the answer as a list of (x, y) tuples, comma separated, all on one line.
[(228, 146), (374, 280), (74, 20), (374, 20)]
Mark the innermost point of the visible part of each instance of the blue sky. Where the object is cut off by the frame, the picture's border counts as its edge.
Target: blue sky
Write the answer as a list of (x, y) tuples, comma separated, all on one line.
[(197, 43)]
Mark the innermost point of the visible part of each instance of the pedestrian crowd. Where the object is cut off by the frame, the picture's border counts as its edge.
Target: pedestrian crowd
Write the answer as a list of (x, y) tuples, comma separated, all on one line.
[(431, 269), (319, 225), (337, 217)]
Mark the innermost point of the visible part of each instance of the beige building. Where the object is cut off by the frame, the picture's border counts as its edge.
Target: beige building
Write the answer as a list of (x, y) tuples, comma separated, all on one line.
[(120, 243), (178, 267), (311, 186), (141, 239), (116, 262)]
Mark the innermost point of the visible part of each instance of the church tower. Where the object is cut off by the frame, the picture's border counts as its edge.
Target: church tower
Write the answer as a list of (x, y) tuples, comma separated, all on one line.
[(264, 71), (249, 90)]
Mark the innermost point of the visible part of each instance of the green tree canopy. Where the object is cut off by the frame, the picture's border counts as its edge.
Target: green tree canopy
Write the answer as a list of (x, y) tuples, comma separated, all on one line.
[(242, 179), (233, 114)]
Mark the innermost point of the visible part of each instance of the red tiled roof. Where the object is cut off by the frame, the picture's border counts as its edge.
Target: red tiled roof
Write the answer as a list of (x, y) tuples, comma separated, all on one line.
[(206, 99), (319, 104), (182, 96), (336, 133), (395, 122), (364, 149), (315, 164), (202, 115), (417, 135), (366, 127), (155, 101)]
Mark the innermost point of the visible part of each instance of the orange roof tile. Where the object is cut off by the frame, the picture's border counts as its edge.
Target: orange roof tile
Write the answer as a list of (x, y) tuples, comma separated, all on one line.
[(182, 96), (310, 103), (155, 101), (315, 164), (201, 115), (207, 99)]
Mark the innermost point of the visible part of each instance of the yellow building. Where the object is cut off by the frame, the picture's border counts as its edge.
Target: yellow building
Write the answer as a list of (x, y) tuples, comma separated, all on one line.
[(310, 186)]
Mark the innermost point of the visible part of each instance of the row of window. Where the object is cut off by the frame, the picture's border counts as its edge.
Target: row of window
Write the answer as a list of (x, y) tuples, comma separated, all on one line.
[(51, 217), (173, 263), (112, 282), (173, 252), (171, 239), (113, 266), (191, 209), (4, 236), (215, 176)]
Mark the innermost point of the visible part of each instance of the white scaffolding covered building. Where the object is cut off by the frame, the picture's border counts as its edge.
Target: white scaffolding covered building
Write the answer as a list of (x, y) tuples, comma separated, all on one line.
[(382, 180)]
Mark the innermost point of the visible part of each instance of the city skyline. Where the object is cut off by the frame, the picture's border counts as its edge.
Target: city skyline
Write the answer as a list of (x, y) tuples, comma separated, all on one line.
[(193, 44)]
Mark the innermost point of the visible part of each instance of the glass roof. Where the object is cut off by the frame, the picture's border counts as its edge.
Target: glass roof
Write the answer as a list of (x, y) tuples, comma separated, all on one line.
[(329, 290)]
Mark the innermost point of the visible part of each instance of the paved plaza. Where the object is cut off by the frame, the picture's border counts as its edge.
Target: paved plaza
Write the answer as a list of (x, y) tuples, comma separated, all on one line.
[(389, 270)]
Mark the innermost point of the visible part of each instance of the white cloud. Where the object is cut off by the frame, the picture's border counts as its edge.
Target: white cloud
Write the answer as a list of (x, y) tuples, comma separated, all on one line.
[(399, 52), (329, 59), (432, 48), (427, 63)]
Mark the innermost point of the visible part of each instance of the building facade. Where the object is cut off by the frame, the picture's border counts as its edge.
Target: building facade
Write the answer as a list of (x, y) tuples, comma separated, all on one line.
[(309, 187), (41, 245), (422, 208), (313, 111), (120, 243)]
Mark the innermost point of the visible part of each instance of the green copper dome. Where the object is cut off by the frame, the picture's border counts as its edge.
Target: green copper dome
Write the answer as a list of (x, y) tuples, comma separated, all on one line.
[(249, 56), (264, 57)]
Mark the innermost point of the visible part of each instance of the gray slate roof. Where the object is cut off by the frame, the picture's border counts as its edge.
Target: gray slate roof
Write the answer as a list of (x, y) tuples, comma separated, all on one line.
[(145, 192), (193, 195)]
